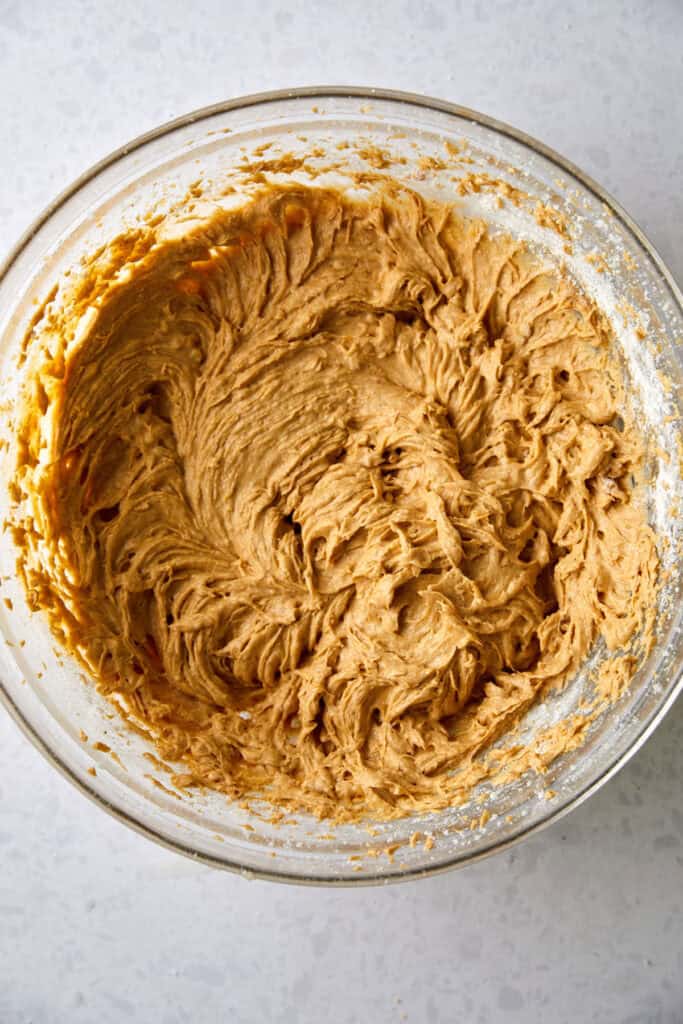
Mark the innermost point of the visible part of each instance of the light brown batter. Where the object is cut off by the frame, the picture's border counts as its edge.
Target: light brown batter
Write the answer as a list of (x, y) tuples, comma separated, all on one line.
[(330, 493)]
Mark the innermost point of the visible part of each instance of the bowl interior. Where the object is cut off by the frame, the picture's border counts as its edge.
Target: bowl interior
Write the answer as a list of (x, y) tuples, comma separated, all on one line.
[(347, 140)]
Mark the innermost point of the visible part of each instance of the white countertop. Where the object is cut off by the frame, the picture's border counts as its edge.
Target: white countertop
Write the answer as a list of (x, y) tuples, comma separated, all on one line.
[(582, 922)]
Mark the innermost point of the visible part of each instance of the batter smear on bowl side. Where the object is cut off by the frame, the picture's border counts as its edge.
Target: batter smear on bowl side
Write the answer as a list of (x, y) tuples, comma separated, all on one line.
[(327, 493)]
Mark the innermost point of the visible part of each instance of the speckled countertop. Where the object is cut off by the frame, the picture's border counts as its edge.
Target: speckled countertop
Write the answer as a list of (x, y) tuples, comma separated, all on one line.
[(581, 923)]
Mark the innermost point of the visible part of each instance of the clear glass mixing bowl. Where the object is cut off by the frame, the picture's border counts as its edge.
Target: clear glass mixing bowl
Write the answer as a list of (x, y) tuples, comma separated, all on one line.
[(443, 151)]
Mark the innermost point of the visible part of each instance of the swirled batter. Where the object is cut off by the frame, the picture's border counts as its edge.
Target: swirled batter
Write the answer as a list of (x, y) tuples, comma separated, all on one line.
[(328, 493)]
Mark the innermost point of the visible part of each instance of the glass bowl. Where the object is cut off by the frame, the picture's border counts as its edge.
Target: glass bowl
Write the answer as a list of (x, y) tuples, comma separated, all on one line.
[(443, 151)]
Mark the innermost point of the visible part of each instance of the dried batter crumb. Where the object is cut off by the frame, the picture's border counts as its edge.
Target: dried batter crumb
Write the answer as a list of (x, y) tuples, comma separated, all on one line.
[(599, 261), (548, 217), (159, 785)]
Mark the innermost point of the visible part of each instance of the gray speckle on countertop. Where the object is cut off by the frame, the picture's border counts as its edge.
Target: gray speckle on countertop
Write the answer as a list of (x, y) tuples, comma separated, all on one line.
[(582, 922)]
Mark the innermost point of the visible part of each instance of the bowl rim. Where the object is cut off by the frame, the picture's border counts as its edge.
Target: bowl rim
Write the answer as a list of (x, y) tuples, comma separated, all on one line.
[(501, 128)]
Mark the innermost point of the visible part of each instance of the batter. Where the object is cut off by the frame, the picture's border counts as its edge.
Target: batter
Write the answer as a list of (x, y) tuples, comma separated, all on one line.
[(326, 494)]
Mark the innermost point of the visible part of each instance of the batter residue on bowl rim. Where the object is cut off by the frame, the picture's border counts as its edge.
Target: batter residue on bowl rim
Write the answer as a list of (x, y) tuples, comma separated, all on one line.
[(327, 493)]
